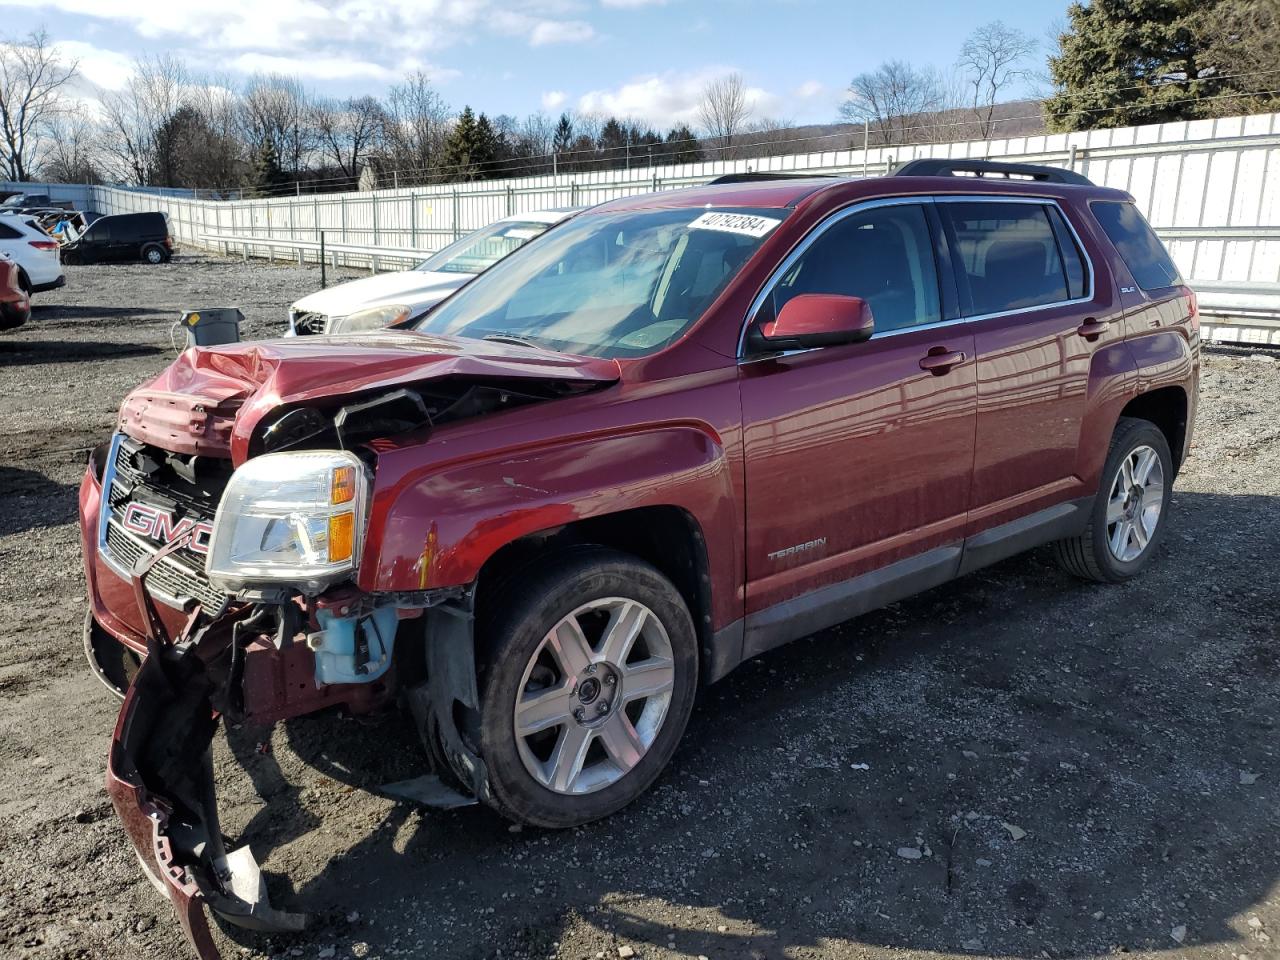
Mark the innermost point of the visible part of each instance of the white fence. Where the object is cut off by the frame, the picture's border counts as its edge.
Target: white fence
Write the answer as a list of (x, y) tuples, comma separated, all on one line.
[(1210, 187)]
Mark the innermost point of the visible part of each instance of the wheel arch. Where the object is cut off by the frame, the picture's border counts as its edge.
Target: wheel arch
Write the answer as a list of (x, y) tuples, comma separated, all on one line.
[(666, 536), (1167, 408)]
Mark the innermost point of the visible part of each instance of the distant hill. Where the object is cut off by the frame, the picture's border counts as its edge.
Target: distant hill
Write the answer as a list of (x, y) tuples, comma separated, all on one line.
[(1017, 118)]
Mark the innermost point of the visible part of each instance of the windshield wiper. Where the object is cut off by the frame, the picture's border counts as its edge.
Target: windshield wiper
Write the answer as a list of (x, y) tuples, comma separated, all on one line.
[(518, 341)]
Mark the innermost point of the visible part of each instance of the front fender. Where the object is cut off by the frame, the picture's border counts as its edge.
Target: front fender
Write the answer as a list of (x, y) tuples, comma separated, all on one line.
[(447, 520)]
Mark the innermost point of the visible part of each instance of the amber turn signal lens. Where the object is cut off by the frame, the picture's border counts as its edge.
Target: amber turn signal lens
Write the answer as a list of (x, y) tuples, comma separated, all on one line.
[(342, 529), (343, 487)]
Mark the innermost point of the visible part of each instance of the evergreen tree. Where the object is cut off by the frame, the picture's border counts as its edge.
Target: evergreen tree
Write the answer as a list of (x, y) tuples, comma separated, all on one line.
[(266, 179), (1126, 62), (486, 150), (562, 139), (460, 154), (682, 146)]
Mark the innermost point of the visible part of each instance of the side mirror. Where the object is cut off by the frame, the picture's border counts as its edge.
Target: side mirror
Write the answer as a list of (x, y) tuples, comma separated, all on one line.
[(814, 320)]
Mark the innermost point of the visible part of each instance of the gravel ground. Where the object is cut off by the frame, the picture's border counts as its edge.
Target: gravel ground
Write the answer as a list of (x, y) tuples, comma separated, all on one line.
[(1017, 764)]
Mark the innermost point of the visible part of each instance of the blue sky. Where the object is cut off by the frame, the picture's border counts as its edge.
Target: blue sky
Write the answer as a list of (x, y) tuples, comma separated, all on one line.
[(646, 59)]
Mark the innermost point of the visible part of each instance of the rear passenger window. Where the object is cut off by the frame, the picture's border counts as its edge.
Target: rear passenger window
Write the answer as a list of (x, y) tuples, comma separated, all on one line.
[(883, 255), (1012, 256), (1137, 244), (8, 233)]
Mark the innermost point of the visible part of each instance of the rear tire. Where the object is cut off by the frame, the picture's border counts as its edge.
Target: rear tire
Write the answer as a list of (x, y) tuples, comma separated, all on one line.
[(1129, 513), (597, 657), (154, 254), (24, 282)]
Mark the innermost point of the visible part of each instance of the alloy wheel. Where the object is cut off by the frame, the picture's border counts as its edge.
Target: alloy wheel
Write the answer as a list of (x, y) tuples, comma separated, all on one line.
[(1134, 504), (594, 696)]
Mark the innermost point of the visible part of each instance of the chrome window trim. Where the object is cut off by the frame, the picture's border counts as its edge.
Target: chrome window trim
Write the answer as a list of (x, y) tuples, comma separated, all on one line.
[(837, 216)]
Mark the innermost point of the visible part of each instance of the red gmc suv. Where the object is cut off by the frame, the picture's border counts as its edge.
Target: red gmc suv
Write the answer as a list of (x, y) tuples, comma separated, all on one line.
[(673, 432)]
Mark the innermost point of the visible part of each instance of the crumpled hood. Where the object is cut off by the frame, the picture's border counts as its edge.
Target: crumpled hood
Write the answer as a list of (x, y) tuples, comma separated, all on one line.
[(411, 287), (209, 400)]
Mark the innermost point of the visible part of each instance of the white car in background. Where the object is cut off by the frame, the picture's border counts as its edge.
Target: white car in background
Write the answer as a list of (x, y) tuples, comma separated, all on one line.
[(379, 301), (34, 251)]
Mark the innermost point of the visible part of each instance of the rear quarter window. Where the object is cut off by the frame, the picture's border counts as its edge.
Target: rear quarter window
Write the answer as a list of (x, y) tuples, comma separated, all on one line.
[(1139, 247)]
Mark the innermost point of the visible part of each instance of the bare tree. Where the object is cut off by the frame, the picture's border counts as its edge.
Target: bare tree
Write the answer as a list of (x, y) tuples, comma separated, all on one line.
[(219, 160), (417, 123), (134, 116), (900, 103), (991, 60), (278, 109), (348, 130), (32, 76), (72, 154), (724, 111)]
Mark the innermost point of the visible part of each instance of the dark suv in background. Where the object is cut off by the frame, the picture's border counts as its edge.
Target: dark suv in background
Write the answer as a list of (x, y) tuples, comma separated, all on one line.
[(123, 238), (669, 434)]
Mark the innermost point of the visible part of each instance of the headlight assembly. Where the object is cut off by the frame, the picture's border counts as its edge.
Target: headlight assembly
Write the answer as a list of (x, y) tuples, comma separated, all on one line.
[(375, 318), (290, 518)]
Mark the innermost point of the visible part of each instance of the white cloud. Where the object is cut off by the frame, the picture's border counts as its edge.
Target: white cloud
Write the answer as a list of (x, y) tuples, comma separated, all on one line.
[(809, 89), (553, 99), (547, 32), (328, 68), (333, 26), (670, 98), (107, 69)]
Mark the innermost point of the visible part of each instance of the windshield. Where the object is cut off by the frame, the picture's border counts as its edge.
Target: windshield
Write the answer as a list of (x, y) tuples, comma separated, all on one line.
[(609, 284), (477, 252)]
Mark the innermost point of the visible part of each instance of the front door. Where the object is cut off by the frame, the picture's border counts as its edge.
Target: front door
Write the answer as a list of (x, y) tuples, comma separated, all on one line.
[(857, 456)]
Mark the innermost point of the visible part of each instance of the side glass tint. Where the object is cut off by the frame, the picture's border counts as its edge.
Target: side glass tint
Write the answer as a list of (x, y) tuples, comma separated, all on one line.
[(1072, 259), (883, 255), (1137, 244), (1007, 256)]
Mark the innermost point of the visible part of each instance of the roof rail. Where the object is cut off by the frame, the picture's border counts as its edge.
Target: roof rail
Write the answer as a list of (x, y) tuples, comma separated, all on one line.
[(940, 167), (764, 175)]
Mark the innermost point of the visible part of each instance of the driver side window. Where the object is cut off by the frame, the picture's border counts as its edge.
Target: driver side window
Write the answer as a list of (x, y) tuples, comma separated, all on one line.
[(883, 255)]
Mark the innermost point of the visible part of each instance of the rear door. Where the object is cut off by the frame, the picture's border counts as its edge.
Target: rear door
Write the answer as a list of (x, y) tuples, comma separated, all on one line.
[(858, 456), (1039, 309)]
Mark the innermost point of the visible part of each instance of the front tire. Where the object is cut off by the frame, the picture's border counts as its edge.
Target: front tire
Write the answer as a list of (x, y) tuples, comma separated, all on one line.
[(1127, 520), (591, 670)]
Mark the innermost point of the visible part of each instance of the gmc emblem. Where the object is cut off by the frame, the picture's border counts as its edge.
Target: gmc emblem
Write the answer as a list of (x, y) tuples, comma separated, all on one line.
[(158, 525)]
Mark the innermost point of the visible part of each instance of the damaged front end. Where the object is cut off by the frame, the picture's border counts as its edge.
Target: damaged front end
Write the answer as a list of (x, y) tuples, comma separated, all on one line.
[(258, 613), (160, 773)]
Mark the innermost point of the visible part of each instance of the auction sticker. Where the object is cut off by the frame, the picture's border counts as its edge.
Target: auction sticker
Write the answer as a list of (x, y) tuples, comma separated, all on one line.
[(747, 224)]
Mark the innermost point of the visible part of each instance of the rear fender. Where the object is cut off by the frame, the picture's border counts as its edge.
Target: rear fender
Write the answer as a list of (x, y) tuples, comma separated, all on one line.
[(1113, 382), (442, 523)]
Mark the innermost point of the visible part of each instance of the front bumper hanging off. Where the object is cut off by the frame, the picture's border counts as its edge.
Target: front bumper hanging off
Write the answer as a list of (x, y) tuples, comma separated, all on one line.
[(160, 780)]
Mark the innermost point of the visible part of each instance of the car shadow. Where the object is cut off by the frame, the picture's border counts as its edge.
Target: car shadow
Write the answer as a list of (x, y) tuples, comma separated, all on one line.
[(1015, 764), (59, 311), (32, 501), (15, 351)]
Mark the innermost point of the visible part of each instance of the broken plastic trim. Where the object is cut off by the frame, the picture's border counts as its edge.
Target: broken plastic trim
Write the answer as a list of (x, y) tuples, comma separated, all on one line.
[(160, 780)]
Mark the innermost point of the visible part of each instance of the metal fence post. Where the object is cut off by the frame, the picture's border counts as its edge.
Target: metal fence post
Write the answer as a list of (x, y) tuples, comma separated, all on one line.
[(511, 200), (456, 231), (323, 277), (413, 219)]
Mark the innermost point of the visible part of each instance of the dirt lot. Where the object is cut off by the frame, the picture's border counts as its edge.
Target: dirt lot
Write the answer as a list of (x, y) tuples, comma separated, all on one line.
[(1051, 769)]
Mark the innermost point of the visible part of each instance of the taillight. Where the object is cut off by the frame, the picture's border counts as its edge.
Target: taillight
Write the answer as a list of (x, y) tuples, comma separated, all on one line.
[(44, 244), (1193, 311)]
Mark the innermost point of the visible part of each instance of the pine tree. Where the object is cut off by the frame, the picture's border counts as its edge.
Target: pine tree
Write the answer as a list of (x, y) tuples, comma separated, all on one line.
[(266, 179), (456, 156), (486, 149), (1125, 62), (682, 146)]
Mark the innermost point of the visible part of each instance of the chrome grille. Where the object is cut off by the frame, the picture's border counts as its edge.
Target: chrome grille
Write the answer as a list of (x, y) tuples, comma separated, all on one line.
[(177, 579), (169, 579)]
